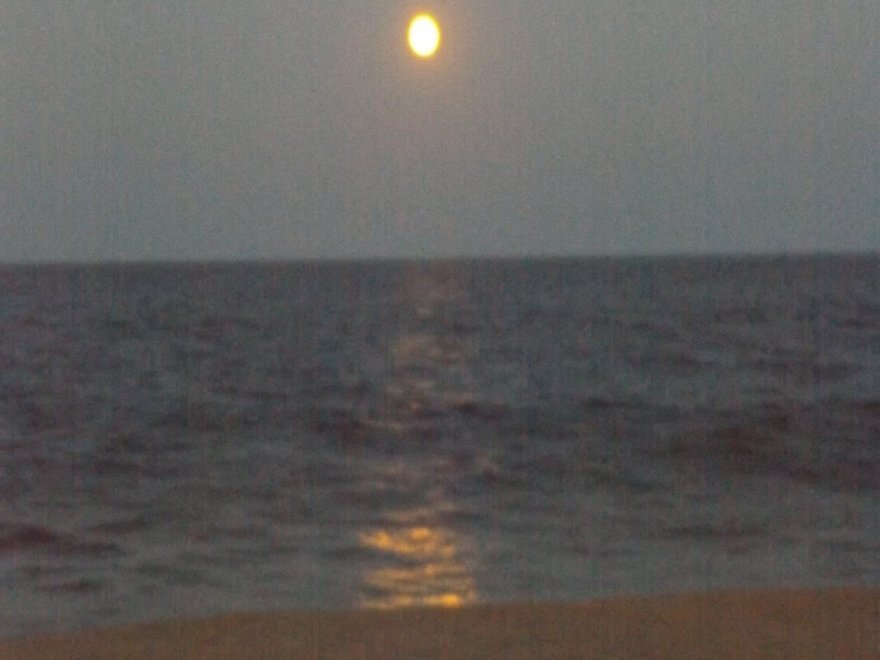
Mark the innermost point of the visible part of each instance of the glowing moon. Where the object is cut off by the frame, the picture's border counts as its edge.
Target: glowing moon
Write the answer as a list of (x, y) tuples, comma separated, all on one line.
[(424, 35)]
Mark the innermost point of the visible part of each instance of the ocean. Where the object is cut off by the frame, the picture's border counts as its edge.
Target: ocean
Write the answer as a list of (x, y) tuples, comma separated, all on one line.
[(190, 439)]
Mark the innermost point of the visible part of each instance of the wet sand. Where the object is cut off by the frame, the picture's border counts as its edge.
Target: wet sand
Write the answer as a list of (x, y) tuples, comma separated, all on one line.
[(840, 623)]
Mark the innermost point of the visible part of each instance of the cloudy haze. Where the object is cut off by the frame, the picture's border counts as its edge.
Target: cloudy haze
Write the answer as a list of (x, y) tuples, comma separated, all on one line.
[(198, 129)]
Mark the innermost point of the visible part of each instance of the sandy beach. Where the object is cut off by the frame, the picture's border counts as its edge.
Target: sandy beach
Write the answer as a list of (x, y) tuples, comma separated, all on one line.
[(840, 623)]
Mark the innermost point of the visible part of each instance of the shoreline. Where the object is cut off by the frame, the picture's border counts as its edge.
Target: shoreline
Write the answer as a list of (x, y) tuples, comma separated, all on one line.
[(775, 623)]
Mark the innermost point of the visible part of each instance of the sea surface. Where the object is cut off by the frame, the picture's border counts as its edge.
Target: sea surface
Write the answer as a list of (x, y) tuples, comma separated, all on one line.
[(184, 440)]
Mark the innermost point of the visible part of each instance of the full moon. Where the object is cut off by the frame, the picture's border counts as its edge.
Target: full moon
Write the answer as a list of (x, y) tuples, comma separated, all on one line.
[(423, 35)]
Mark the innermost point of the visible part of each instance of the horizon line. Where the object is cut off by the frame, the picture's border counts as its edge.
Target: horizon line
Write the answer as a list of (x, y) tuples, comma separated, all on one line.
[(354, 259)]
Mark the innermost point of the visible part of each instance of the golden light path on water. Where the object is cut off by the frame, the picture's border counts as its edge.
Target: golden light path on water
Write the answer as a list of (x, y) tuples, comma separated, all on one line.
[(422, 562), (428, 570)]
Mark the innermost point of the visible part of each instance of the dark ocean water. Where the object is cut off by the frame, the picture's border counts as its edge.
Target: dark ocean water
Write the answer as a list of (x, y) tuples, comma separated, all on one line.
[(187, 440)]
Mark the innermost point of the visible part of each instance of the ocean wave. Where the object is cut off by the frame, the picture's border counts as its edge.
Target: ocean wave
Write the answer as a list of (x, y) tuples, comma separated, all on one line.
[(28, 538)]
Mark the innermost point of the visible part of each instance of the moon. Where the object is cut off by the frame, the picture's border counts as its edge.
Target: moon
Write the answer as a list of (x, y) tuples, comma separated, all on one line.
[(423, 35)]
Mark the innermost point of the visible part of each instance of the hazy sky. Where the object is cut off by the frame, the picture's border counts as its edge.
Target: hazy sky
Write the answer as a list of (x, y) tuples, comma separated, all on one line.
[(174, 129)]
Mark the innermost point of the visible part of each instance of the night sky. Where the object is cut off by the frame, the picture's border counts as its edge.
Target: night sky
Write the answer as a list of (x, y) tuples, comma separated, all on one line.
[(221, 129)]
